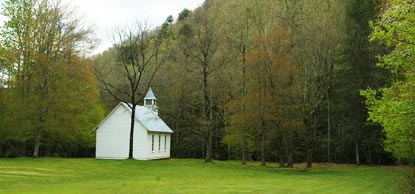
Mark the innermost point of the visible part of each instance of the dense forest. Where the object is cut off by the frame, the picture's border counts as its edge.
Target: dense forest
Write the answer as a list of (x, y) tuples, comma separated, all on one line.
[(273, 81)]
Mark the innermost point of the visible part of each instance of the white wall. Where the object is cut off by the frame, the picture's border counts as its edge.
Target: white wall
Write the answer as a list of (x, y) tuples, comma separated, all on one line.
[(140, 142), (156, 153), (112, 136), (112, 139)]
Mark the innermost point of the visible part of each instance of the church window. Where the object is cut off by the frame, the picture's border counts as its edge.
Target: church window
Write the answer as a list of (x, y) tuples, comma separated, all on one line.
[(152, 143)]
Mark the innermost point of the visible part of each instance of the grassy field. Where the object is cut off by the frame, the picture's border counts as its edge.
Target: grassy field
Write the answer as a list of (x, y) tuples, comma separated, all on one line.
[(56, 175)]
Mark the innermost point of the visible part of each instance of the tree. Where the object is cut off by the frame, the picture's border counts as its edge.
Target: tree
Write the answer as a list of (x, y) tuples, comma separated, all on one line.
[(355, 70), (203, 44), (393, 106), (274, 78), (44, 43), (183, 14), (323, 35), (241, 40), (137, 60)]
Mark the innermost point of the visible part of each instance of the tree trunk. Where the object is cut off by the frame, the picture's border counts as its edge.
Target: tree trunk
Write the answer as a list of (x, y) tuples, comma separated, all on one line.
[(207, 114), (243, 147), (283, 151), (244, 138), (228, 149), (356, 142), (412, 154), (369, 156), (328, 127), (263, 162), (216, 143), (310, 147), (37, 144), (43, 110), (341, 145), (290, 161), (209, 147), (21, 150), (203, 147), (130, 152), (281, 163), (262, 122), (176, 142), (309, 154)]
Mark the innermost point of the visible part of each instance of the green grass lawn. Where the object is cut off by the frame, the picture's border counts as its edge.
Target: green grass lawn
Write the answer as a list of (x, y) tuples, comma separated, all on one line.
[(57, 175)]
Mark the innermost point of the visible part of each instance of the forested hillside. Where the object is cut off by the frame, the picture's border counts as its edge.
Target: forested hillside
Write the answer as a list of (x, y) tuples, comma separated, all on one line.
[(247, 80), (267, 81)]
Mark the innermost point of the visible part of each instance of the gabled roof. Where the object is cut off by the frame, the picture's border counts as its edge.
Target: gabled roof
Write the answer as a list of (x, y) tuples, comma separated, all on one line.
[(149, 119), (150, 95)]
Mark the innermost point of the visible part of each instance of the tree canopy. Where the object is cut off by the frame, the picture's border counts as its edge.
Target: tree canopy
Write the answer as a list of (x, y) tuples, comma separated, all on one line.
[(393, 105)]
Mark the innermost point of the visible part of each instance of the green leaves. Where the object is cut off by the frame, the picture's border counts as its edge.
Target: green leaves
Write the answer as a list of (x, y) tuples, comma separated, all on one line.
[(395, 109), (50, 86)]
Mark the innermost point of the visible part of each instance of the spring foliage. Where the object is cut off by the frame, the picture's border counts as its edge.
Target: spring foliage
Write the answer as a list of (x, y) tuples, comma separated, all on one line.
[(49, 102), (394, 106)]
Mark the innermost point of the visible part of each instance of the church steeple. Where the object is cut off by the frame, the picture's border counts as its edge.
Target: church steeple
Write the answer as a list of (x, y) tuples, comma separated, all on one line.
[(150, 101)]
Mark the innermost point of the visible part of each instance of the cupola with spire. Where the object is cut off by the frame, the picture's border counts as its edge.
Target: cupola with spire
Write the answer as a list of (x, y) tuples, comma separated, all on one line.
[(150, 101)]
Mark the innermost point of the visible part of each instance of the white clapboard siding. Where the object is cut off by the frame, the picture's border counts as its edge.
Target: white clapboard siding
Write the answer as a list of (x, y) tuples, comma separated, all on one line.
[(140, 141), (112, 135), (158, 153)]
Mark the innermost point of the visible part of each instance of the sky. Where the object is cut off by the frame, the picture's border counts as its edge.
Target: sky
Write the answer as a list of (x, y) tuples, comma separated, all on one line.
[(105, 15)]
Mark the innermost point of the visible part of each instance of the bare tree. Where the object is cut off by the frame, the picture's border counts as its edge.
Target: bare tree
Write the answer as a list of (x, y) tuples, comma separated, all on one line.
[(323, 34), (240, 38), (137, 60), (202, 44)]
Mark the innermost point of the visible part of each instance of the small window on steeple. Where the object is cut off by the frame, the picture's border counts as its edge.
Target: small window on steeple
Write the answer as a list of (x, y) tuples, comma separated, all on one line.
[(148, 102)]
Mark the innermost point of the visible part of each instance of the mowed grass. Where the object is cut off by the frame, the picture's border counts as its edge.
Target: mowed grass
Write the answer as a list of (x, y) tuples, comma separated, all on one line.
[(57, 175)]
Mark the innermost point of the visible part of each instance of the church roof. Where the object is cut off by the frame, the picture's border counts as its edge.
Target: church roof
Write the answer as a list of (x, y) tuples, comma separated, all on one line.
[(150, 95), (149, 119)]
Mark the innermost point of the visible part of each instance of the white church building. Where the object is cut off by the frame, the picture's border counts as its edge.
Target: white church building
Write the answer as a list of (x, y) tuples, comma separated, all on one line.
[(151, 135)]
